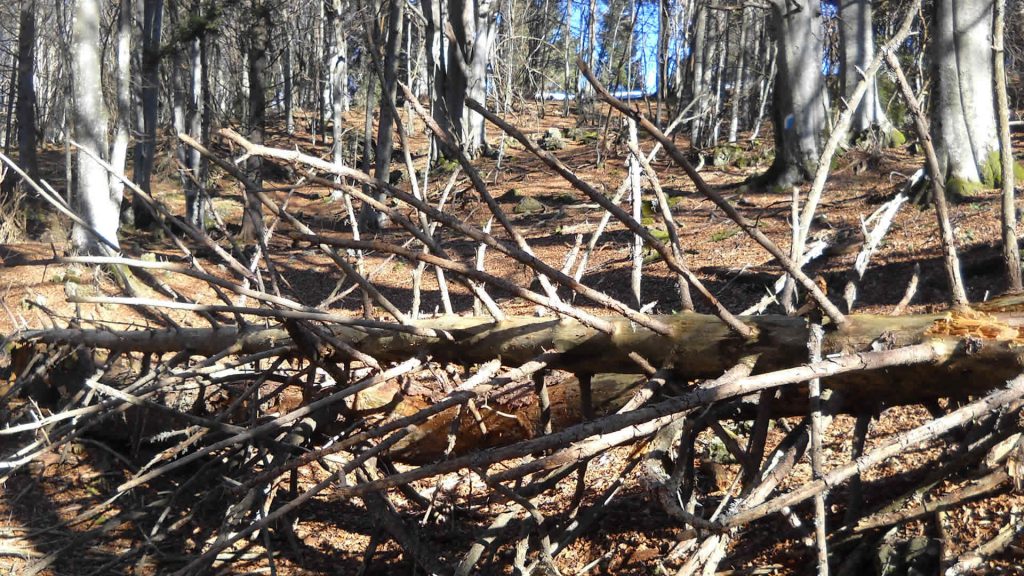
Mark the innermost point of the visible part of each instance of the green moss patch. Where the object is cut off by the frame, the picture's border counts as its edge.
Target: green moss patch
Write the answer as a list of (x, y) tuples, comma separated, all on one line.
[(957, 186)]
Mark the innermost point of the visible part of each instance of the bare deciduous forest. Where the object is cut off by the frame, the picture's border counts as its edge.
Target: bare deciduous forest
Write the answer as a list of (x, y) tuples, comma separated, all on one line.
[(511, 287)]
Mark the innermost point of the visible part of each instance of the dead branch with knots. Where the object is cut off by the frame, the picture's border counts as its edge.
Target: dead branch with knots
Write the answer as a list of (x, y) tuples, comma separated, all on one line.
[(474, 421)]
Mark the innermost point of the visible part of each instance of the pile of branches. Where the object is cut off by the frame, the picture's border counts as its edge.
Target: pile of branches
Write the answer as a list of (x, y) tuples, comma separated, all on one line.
[(275, 392)]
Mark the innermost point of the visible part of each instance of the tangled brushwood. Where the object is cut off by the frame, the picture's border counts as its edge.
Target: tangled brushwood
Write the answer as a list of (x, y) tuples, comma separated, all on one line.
[(448, 435)]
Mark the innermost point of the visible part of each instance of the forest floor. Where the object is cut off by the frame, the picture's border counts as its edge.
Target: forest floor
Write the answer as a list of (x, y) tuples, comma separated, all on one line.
[(39, 532)]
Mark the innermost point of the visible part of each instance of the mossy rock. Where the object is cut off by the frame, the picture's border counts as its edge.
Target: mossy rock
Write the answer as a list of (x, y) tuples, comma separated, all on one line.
[(725, 155), (528, 205), (445, 165), (897, 138), (561, 198), (552, 140), (581, 136)]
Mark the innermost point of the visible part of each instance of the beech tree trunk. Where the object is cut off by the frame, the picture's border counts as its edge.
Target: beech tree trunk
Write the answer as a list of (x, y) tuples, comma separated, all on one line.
[(96, 203), (857, 42), (798, 109), (459, 65), (963, 115)]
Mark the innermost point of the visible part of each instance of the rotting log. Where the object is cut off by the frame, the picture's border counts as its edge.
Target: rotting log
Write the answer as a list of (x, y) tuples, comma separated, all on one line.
[(985, 347)]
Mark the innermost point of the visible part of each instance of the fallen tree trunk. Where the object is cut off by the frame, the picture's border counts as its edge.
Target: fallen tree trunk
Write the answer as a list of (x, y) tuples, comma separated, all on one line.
[(984, 347)]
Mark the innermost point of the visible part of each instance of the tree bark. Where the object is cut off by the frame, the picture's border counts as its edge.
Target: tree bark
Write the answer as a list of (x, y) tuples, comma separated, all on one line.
[(259, 30), (857, 43), (1011, 251), (798, 109), (739, 96), (979, 349), (193, 181), (26, 108), (459, 65), (96, 203), (123, 92), (145, 146), (369, 218), (963, 116)]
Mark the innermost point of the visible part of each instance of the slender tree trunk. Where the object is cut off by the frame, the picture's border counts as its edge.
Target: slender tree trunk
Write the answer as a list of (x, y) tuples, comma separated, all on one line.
[(739, 96), (259, 30), (207, 47), (369, 218), (722, 24), (338, 82), (697, 55), (592, 35), (1011, 251), (193, 181), (94, 201), (963, 116), (11, 95), (123, 89), (286, 72), (145, 147), (339, 62), (322, 70), (26, 108), (570, 76), (663, 36)]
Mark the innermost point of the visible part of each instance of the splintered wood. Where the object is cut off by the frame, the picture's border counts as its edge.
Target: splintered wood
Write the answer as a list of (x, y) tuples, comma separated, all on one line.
[(975, 324)]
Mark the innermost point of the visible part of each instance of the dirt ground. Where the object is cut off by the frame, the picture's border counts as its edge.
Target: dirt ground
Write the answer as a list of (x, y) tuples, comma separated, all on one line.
[(42, 527)]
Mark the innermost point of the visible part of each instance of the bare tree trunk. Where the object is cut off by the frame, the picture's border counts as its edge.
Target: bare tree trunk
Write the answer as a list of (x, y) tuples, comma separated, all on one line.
[(26, 89), (698, 56), (336, 90), (459, 65), (798, 110), (193, 180), (722, 27), (857, 43), (338, 67), (94, 200), (145, 147), (663, 35), (739, 97), (259, 29), (1011, 251), (123, 89), (369, 218), (963, 116), (286, 72), (570, 85), (11, 96)]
